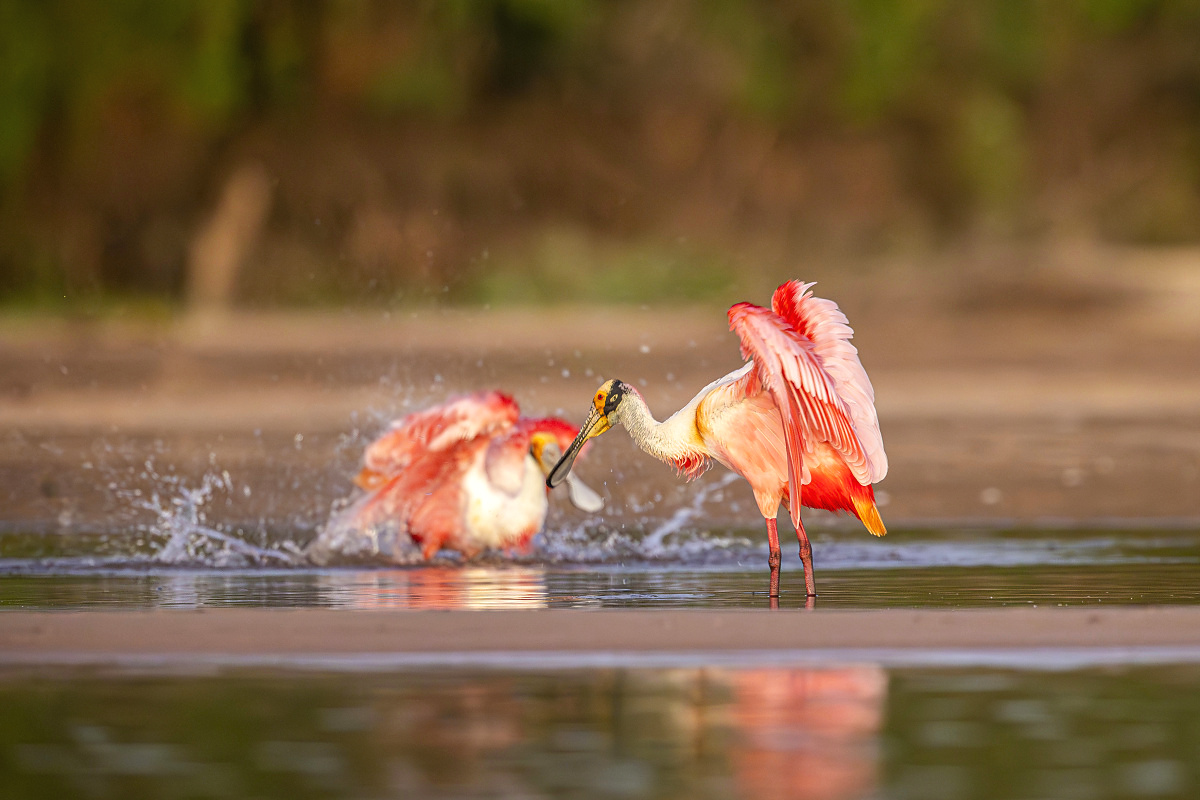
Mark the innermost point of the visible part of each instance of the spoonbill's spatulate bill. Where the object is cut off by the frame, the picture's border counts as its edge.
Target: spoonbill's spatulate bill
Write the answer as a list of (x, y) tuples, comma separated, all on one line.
[(797, 421), (466, 475)]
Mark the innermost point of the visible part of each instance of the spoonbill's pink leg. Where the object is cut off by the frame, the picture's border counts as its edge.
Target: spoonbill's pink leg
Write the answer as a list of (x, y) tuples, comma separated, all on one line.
[(774, 560), (810, 582)]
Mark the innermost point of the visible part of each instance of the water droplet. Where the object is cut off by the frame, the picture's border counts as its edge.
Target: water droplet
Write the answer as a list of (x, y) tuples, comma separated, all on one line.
[(1072, 477)]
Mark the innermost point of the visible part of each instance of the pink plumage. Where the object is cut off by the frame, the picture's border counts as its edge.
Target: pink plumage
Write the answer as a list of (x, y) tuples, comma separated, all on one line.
[(460, 476), (797, 421)]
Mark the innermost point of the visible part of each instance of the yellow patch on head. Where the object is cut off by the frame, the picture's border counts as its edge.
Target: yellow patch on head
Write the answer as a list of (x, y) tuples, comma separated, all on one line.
[(602, 426), (538, 442), (602, 395)]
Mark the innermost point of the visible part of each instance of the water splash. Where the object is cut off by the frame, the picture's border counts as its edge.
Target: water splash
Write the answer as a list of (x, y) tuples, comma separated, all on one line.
[(358, 532), (657, 538), (675, 539), (355, 534), (181, 533)]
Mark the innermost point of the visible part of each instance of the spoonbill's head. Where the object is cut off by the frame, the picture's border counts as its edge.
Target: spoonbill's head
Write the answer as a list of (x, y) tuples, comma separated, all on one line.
[(601, 417)]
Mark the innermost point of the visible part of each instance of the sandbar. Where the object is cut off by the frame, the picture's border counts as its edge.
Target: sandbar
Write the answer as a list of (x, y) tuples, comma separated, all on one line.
[(567, 638)]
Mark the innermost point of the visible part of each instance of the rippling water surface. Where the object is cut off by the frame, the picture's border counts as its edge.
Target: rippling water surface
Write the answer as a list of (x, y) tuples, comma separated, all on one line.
[(149, 523), (837, 732), (919, 568)]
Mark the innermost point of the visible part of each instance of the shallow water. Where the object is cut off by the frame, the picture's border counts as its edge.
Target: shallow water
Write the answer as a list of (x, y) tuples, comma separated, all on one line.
[(137, 522), (836, 732), (944, 569), (825, 730)]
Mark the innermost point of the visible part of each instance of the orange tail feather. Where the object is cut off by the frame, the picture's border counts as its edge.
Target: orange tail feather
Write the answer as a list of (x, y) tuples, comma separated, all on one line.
[(864, 508)]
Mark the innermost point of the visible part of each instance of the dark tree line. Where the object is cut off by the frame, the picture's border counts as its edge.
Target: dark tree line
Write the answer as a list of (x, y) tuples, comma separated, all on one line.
[(429, 147)]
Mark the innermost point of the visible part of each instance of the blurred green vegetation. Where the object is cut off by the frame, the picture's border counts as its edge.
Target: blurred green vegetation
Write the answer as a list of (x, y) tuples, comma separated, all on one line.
[(567, 265), (406, 140)]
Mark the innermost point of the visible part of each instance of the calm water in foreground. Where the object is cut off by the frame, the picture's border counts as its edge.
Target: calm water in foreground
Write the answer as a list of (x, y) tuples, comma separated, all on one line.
[(823, 731), (833, 733)]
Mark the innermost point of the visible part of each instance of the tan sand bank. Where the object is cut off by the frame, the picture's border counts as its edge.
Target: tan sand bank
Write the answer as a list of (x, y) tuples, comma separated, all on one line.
[(480, 637)]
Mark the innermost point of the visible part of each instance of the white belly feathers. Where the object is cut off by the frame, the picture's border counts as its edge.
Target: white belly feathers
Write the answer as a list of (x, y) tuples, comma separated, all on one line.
[(496, 518)]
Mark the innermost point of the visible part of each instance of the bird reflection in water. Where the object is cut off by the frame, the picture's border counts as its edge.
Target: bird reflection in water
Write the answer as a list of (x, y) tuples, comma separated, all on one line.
[(437, 589), (808, 734), (801, 734)]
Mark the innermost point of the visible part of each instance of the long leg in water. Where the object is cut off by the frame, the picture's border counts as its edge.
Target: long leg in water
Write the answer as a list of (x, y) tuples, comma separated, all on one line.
[(810, 582), (774, 560)]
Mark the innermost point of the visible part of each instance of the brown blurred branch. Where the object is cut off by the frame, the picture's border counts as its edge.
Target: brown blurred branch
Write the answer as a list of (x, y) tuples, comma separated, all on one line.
[(220, 247)]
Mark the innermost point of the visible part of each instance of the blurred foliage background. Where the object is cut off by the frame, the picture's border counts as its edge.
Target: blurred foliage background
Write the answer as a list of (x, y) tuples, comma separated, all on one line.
[(487, 151)]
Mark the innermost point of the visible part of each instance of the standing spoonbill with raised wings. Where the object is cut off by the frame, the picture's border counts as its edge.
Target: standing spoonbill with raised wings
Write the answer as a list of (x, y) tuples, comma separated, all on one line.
[(798, 421), (467, 475)]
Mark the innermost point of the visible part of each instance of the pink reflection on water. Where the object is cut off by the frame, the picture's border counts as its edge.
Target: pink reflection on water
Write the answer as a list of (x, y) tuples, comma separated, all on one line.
[(809, 734), (437, 588)]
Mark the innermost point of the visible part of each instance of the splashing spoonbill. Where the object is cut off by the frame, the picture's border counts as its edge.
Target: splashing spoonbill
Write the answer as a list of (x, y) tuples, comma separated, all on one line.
[(466, 475)]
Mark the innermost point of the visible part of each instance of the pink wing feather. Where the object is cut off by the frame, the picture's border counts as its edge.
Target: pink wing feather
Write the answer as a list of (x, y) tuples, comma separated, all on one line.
[(787, 366), (436, 429), (406, 492), (823, 323)]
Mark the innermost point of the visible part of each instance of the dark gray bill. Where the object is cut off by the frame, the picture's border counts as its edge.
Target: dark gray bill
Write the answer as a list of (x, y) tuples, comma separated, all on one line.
[(563, 467), (579, 493)]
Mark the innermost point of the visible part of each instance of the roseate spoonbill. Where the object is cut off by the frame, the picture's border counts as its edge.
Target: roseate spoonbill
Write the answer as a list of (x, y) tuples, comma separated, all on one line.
[(466, 475), (798, 421)]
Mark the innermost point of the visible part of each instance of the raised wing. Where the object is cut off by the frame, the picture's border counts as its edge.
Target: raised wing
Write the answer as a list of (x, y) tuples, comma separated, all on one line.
[(788, 369), (439, 428), (408, 500), (823, 323)]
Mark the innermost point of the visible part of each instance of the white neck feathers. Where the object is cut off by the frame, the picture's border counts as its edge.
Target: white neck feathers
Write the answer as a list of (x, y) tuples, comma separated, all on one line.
[(673, 440)]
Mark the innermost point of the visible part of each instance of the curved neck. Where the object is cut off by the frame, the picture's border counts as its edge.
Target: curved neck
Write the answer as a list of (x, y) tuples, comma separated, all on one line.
[(674, 439)]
